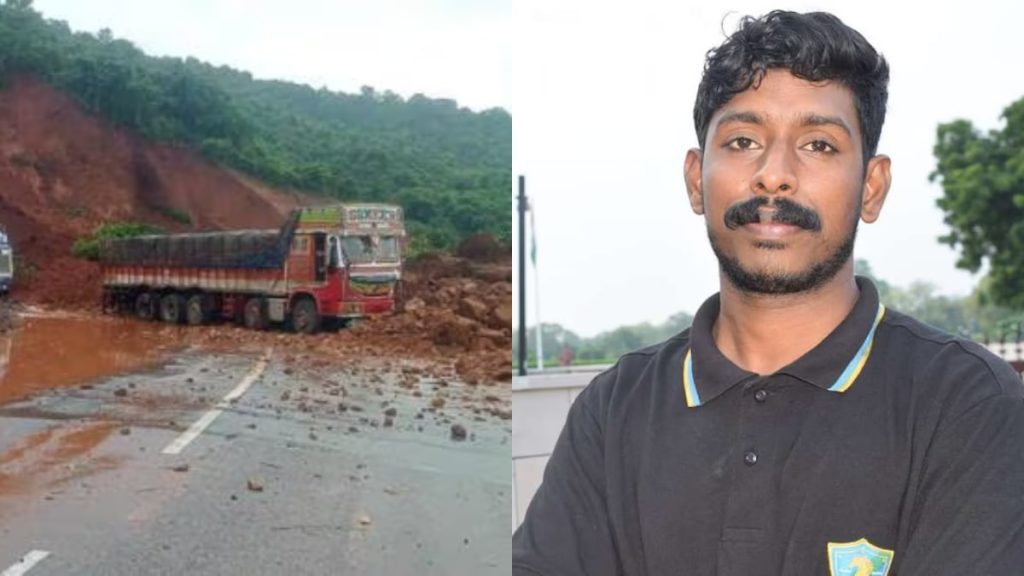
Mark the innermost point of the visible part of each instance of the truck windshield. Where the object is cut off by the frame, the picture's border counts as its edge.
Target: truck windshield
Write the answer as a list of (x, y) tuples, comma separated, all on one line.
[(358, 249), (387, 249), (363, 249)]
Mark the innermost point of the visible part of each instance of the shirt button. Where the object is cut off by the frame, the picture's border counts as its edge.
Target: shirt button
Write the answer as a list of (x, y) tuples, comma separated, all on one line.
[(761, 395), (750, 458)]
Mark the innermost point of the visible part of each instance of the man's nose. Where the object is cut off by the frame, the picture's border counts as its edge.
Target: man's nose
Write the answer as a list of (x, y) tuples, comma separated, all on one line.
[(776, 172)]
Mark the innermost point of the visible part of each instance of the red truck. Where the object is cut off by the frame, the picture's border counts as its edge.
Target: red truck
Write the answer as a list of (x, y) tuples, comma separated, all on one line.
[(335, 262)]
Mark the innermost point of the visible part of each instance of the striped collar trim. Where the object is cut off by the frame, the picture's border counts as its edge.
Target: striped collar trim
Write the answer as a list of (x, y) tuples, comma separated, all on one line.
[(689, 388), (843, 383), (849, 375)]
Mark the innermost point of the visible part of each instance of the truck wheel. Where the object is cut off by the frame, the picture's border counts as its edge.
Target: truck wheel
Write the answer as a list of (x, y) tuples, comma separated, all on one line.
[(172, 308), (197, 310), (145, 306), (254, 314), (305, 319)]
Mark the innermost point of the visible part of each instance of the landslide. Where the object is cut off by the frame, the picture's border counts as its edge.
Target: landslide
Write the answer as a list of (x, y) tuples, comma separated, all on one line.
[(63, 172)]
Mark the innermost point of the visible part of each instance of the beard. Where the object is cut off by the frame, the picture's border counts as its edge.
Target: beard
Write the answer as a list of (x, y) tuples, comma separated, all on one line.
[(779, 283)]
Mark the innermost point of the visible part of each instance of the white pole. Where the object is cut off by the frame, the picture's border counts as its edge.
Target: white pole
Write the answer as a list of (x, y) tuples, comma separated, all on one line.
[(536, 293)]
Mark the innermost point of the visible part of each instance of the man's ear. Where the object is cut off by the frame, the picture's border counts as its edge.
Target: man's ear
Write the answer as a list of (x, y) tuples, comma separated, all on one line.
[(692, 174), (877, 180)]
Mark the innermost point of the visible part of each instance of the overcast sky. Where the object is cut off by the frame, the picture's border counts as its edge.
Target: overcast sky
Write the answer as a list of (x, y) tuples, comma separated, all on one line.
[(602, 103), (459, 49)]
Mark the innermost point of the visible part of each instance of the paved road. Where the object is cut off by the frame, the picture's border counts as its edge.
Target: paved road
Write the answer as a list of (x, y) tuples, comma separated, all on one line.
[(304, 473)]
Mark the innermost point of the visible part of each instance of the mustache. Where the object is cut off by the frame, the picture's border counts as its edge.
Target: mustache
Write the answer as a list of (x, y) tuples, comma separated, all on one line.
[(786, 212)]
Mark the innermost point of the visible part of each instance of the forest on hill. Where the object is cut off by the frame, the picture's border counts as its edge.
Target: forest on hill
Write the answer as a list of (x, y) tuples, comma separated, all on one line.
[(449, 167)]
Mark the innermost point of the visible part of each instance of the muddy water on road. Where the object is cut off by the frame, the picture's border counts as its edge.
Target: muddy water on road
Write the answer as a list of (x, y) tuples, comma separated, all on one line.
[(36, 461), (55, 352)]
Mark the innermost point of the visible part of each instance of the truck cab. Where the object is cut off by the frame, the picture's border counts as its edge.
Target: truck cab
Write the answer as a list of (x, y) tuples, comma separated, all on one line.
[(348, 258)]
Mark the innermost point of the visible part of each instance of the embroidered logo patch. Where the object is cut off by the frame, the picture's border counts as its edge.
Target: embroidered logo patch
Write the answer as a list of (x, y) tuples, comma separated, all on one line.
[(860, 558)]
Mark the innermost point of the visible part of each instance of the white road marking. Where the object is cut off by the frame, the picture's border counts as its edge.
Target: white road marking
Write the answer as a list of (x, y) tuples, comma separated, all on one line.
[(193, 432), (196, 429), (249, 379), (26, 563)]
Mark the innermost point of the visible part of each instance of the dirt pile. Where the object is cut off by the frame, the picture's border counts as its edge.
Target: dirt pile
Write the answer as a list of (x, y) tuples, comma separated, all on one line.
[(483, 248), (462, 307)]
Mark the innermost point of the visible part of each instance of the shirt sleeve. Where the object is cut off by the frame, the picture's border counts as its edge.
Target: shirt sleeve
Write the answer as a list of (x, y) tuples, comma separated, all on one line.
[(970, 516), (566, 531)]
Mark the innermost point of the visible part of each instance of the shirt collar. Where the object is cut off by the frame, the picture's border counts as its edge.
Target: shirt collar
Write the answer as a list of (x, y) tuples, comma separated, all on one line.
[(833, 364)]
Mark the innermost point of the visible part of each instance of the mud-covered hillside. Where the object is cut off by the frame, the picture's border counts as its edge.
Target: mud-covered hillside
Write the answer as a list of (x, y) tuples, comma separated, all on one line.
[(63, 172)]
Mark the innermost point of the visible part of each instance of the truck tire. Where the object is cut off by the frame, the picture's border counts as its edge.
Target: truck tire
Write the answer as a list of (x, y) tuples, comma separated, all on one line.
[(172, 308), (197, 309), (145, 306), (304, 317), (254, 314)]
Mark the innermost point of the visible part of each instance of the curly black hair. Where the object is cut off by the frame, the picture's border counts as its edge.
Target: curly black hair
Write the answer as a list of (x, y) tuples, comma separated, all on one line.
[(816, 46)]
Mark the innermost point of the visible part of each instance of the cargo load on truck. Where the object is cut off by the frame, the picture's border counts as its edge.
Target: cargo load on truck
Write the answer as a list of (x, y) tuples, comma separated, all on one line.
[(338, 262), (246, 249)]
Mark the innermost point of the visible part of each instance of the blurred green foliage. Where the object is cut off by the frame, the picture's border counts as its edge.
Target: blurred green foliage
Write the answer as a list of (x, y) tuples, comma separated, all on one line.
[(982, 178), (88, 246)]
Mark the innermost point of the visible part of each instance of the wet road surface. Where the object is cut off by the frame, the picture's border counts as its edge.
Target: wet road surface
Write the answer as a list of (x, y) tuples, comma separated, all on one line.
[(299, 469)]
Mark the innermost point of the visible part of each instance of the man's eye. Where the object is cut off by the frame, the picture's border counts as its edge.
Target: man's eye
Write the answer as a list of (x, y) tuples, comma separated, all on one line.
[(741, 143), (820, 146)]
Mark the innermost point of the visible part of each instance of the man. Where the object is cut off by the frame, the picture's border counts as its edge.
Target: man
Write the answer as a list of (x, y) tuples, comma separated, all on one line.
[(798, 427)]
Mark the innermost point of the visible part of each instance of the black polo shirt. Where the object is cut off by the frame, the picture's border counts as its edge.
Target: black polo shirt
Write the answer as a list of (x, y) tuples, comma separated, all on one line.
[(890, 448)]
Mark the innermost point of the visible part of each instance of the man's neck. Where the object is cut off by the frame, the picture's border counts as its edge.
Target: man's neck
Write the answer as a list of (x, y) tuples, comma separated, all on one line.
[(762, 333)]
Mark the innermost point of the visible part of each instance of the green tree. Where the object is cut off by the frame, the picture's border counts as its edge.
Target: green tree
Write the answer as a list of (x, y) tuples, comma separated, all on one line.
[(89, 246), (982, 177)]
